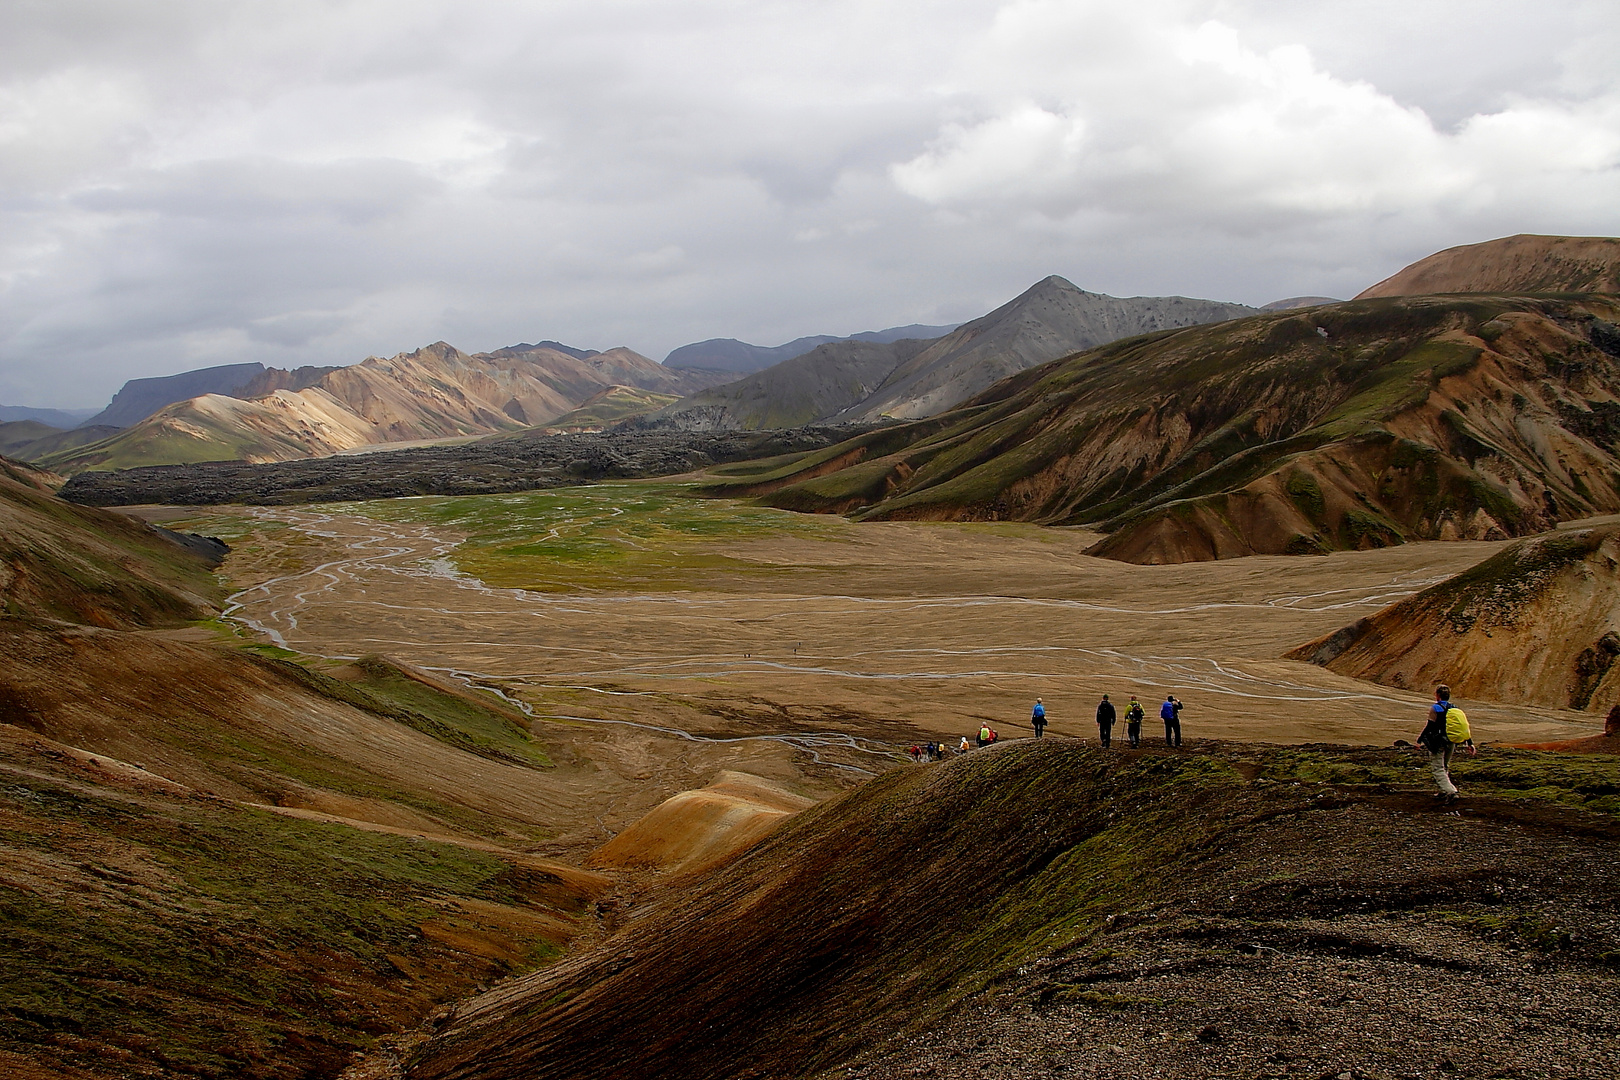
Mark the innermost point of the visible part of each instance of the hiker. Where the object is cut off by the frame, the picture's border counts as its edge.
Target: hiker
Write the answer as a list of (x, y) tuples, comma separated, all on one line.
[(1037, 719), (1133, 722), (1105, 721), (1446, 729), (993, 735), (915, 752), (984, 735), (964, 748), (1170, 713)]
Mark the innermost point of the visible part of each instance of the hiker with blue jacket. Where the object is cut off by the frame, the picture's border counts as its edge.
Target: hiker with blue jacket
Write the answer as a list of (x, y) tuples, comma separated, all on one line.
[(1446, 730), (1037, 718), (1170, 713)]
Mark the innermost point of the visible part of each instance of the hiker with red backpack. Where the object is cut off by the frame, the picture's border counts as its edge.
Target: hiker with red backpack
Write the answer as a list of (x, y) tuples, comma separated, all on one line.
[(1446, 730)]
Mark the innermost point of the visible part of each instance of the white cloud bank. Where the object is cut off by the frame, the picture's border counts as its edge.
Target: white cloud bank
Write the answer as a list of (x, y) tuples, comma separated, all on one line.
[(309, 181)]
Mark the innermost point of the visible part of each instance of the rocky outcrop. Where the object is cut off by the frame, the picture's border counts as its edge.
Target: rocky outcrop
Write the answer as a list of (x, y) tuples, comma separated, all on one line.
[(1538, 623)]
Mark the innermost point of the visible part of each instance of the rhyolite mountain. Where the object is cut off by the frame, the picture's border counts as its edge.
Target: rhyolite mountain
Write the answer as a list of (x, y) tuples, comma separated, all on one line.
[(865, 381), (1520, 264), (434, 392), (1347, 426), (729, 354), (1538, 623)]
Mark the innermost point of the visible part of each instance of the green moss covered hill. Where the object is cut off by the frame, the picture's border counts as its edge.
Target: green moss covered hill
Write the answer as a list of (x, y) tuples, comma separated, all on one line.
[(1351, 425)]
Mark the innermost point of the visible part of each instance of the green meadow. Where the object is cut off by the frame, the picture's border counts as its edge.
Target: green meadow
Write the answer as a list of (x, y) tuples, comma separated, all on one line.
[(611, 535)]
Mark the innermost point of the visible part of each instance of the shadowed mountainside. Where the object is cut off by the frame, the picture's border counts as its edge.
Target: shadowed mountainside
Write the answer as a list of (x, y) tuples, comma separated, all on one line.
[(1514, 264), (1536, 623), (434, 392), (1349, 426), (1190, 894), (63, 561), (869, 381)]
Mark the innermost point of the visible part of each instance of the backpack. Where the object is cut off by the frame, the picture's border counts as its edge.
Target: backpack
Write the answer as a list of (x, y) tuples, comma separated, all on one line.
[(1457, 726)]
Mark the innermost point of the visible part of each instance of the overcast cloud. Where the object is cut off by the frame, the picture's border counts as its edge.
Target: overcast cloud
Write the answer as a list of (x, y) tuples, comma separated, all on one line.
[(199, 182)]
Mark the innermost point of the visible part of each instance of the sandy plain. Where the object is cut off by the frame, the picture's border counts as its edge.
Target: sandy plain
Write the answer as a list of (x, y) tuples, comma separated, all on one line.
[(811, 646)]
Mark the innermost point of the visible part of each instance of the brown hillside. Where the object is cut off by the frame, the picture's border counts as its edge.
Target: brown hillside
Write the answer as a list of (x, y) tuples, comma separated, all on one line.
[(1515, 265), (1349, 426), (1537, 623), (64, 561)]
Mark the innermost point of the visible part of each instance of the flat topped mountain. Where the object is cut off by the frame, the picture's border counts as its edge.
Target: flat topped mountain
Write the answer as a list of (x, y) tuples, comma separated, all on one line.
[(1537, 623), (867, 381), (140, 398), (1514, 264)]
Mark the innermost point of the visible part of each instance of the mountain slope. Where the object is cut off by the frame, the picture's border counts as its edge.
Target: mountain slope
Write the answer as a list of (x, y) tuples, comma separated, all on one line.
[(1514, 264), (1537, 623), (1051, 319), (59, 560), (1192, 914), (865, 382), (434, 392), (1354, 425)]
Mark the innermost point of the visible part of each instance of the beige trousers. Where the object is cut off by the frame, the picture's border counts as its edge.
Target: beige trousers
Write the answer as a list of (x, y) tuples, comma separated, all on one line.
[(1440, 765)]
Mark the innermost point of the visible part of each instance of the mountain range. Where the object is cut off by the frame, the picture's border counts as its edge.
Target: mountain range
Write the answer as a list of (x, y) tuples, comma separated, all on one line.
[(1348, 426), (434, 392), (729, 354), (865, 381)]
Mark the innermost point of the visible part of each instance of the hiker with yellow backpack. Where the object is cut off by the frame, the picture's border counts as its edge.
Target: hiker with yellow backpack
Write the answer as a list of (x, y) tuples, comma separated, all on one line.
[(1446, 730)]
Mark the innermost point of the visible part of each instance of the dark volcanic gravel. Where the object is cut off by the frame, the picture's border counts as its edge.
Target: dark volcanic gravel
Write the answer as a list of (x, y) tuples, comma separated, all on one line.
[(490, 466), (1327, 969)]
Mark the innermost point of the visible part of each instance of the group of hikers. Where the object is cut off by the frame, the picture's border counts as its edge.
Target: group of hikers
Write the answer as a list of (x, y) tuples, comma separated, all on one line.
[(1169, 712), (1446, 731)]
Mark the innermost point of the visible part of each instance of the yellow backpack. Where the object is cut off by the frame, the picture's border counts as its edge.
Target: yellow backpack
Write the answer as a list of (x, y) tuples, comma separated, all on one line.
[(1457, 725)]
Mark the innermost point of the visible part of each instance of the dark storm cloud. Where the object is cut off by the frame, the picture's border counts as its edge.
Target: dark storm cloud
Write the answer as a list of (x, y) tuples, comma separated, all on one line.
[(188, 184)]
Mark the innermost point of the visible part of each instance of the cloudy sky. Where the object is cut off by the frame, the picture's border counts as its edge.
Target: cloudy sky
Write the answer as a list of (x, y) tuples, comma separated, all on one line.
[(195, 182)]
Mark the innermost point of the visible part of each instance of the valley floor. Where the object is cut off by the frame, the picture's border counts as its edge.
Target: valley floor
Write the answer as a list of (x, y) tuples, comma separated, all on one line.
[(628, 603)]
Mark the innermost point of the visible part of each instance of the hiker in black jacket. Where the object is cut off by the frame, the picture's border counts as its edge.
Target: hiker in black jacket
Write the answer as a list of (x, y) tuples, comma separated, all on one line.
[(1105, 720)]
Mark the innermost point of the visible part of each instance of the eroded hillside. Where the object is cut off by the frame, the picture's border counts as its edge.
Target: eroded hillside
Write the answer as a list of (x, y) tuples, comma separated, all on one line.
[(1537, 622), (1349, 426)]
